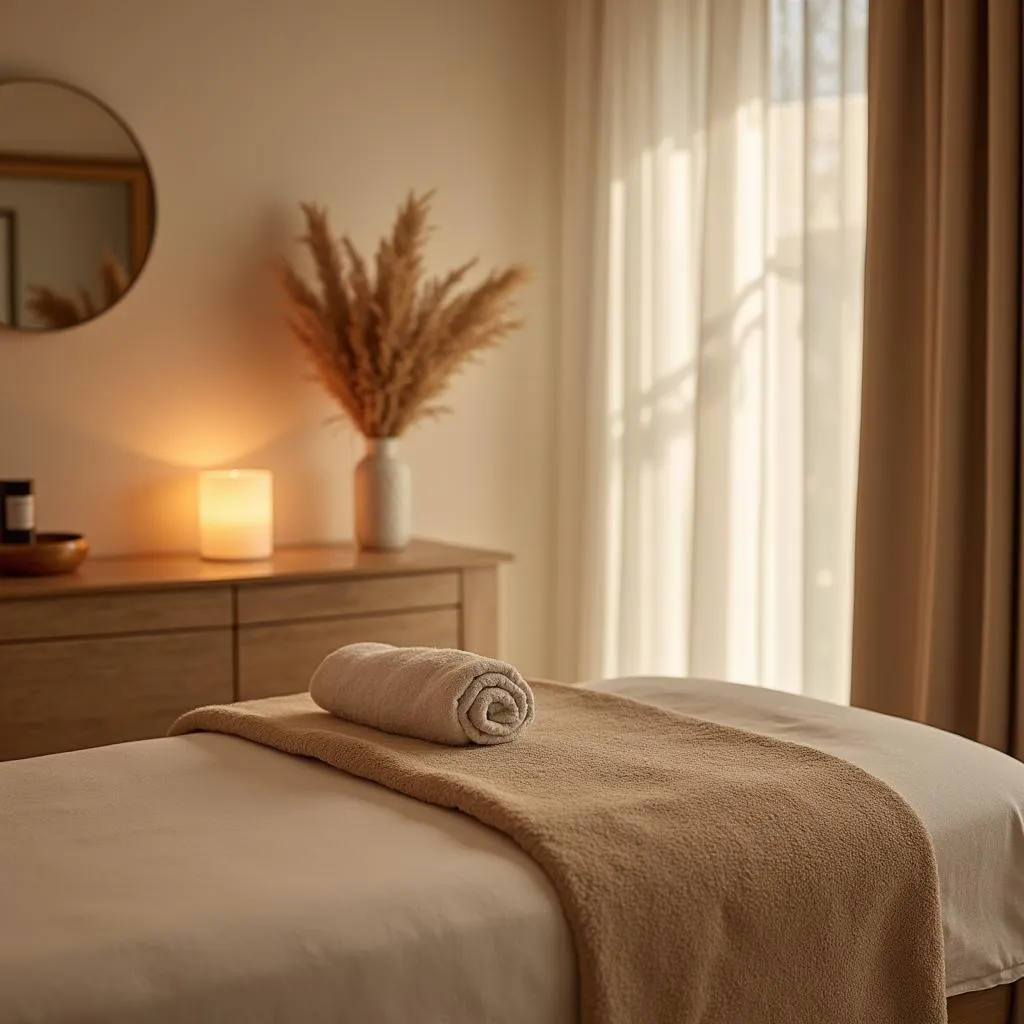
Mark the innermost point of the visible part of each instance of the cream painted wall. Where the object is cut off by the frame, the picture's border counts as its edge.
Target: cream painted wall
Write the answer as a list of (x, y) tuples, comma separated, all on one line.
[(245, 107)]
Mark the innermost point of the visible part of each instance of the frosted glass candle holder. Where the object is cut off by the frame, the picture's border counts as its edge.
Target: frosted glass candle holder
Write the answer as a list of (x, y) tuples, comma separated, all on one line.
[(236, 514)]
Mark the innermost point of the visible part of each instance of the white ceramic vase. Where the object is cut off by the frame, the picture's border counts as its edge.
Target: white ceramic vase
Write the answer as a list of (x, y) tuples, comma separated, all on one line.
[(383, 497)]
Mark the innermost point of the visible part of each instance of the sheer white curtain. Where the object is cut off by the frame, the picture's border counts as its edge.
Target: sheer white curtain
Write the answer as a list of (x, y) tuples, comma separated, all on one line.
[(715, 172)]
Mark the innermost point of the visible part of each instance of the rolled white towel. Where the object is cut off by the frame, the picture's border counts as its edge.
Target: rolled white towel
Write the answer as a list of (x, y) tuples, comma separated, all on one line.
[(445, 696)]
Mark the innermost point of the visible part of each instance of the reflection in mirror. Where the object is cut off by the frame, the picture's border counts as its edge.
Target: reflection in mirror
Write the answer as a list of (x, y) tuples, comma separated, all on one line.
[(76, 207)]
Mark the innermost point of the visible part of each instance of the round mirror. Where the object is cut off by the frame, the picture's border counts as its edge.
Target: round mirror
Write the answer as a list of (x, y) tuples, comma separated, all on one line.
[(76, 207)]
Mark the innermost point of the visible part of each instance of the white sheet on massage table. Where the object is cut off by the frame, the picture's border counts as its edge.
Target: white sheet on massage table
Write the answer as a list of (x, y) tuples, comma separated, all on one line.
[(203, 878)]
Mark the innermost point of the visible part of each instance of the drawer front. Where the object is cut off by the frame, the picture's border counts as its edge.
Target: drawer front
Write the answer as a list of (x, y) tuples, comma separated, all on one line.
[(68, 694), (275, 660), (126, 612), (281, 602)]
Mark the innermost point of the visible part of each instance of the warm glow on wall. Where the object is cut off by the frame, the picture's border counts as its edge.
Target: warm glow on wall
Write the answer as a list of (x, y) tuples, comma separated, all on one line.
[(236, 514)]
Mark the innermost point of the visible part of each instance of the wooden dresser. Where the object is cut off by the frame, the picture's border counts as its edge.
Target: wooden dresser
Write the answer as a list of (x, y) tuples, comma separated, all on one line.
[(119, 649)]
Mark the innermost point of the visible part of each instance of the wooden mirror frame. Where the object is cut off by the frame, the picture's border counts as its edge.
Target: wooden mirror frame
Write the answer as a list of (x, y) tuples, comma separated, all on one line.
[(131, 173)]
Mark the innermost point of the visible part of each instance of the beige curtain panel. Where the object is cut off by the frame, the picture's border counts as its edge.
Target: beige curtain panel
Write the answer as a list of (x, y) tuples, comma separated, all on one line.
[(939, 564)]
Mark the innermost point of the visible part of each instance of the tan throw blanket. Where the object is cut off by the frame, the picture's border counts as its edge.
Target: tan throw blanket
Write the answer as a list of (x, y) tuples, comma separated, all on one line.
[(708, 874)]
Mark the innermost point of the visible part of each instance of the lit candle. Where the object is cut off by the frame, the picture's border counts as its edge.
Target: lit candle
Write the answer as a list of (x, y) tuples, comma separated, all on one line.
[(236, 514)]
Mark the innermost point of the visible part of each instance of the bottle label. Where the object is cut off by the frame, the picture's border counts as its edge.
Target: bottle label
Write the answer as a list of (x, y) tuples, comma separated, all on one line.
[(19, 512)]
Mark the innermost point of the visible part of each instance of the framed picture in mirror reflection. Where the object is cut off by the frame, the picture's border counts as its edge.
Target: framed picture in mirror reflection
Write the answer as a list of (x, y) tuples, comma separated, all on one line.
[(8, 268)]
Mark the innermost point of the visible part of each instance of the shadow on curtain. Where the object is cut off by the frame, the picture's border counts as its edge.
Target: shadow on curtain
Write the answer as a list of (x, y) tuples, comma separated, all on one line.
[(715, 198)]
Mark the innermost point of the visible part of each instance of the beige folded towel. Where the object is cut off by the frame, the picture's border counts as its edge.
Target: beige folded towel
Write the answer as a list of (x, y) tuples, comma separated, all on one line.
[(444, 696)]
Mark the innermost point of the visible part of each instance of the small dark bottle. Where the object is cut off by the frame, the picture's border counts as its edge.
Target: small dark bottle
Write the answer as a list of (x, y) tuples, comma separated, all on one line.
[(17, 512)]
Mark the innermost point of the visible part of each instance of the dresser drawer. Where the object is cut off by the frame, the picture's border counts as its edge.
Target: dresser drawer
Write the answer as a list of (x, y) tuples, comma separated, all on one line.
[(329, 598), (126, 612), (66, 694), (274, 660)]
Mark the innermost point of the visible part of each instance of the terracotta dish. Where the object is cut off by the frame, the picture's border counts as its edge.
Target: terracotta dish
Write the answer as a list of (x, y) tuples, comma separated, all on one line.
[(50, 555)]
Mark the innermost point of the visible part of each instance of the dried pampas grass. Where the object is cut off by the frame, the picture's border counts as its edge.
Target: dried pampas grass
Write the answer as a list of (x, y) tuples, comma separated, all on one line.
[(57, 311), (385, 342)]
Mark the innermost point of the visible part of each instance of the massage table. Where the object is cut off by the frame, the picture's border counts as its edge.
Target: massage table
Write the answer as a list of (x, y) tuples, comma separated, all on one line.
[(203, 878)]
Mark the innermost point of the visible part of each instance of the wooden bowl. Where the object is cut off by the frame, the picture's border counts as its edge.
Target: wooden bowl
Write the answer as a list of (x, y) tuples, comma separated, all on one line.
[(50, 555)]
